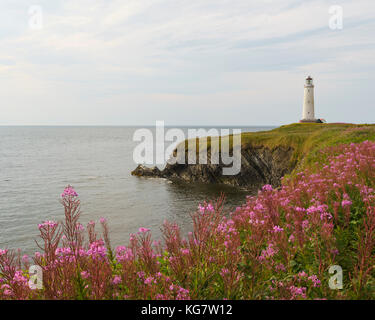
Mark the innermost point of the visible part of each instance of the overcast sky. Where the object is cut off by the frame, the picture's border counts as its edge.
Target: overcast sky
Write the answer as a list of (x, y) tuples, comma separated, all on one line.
[(190, 62)]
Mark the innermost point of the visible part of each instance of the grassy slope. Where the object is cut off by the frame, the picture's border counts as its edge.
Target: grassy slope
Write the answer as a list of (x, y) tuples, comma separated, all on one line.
[(307, 138)]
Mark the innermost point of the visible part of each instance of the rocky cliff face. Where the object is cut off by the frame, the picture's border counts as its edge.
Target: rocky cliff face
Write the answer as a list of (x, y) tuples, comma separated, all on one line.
[(259, 165)]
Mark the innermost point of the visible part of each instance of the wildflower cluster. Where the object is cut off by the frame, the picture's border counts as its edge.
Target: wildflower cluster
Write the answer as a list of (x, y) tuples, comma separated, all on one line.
[(278, 245)]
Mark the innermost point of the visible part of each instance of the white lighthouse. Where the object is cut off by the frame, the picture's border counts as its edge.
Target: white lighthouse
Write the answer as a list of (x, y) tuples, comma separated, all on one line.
[(308, 113)]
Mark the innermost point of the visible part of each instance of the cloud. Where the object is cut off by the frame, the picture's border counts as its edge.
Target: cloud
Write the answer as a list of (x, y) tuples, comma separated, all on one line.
[(137, 61)]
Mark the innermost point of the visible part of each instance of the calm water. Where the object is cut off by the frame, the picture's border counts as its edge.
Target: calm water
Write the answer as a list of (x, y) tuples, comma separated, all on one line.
[(36, 163)]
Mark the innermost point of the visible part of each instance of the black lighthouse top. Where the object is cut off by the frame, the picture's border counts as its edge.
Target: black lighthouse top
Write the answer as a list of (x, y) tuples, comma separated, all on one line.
[(309, 81)]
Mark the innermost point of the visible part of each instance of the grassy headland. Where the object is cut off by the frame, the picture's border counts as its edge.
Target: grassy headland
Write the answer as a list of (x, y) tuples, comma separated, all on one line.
[(266, 156), (306, 139)]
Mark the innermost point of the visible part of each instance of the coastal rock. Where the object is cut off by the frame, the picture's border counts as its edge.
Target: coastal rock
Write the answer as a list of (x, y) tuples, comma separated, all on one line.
[(259, 165), (143, 171)]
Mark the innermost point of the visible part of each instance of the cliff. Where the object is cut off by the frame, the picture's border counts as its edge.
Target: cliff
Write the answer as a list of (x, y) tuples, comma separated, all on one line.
[(267, 156)]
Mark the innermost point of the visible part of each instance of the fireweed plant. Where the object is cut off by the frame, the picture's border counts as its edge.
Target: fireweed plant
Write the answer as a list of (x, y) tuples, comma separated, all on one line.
[(278, 245)]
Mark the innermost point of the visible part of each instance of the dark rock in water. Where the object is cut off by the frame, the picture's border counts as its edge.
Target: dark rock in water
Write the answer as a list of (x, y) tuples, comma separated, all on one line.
[(259, 165), (143, 171)]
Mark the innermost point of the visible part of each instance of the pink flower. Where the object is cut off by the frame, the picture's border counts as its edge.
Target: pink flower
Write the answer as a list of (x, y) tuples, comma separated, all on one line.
[(315, 280), (116, 280), (47, 224), (143, 230), (25, 258), (149, 280), (267, 187), (224, 271), (277, 229), (305, 224), (69, 192), (103, 220), (296, 291), (201, 208), (346, 203), (7, 292), (206, 207)]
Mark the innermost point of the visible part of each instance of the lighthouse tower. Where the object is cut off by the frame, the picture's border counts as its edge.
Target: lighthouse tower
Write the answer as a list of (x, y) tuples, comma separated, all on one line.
[(308, 113)]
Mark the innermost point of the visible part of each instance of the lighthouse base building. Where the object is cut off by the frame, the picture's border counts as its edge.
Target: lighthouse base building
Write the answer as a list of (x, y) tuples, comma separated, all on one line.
[(311, 121), (308, 112)]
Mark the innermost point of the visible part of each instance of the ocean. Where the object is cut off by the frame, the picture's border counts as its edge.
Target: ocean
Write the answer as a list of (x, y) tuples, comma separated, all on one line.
[(36, 163)]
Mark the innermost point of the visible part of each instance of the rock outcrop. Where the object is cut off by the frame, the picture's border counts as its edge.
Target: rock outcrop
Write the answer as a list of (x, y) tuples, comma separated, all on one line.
[(259, 165)]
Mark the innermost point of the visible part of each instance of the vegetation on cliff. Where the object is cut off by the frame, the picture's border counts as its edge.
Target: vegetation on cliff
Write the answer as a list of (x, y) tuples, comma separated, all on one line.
[(307, 139), (280, 244), (266, 156)]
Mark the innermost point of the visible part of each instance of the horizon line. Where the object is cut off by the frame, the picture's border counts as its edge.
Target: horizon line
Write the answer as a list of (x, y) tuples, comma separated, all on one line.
[(133, 125)]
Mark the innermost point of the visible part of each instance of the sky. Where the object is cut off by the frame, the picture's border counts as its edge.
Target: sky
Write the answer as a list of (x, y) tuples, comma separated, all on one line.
[(191, 62)]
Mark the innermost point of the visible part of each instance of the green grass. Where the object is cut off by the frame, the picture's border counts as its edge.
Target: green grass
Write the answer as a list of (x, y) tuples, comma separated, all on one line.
[(306, 139)]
